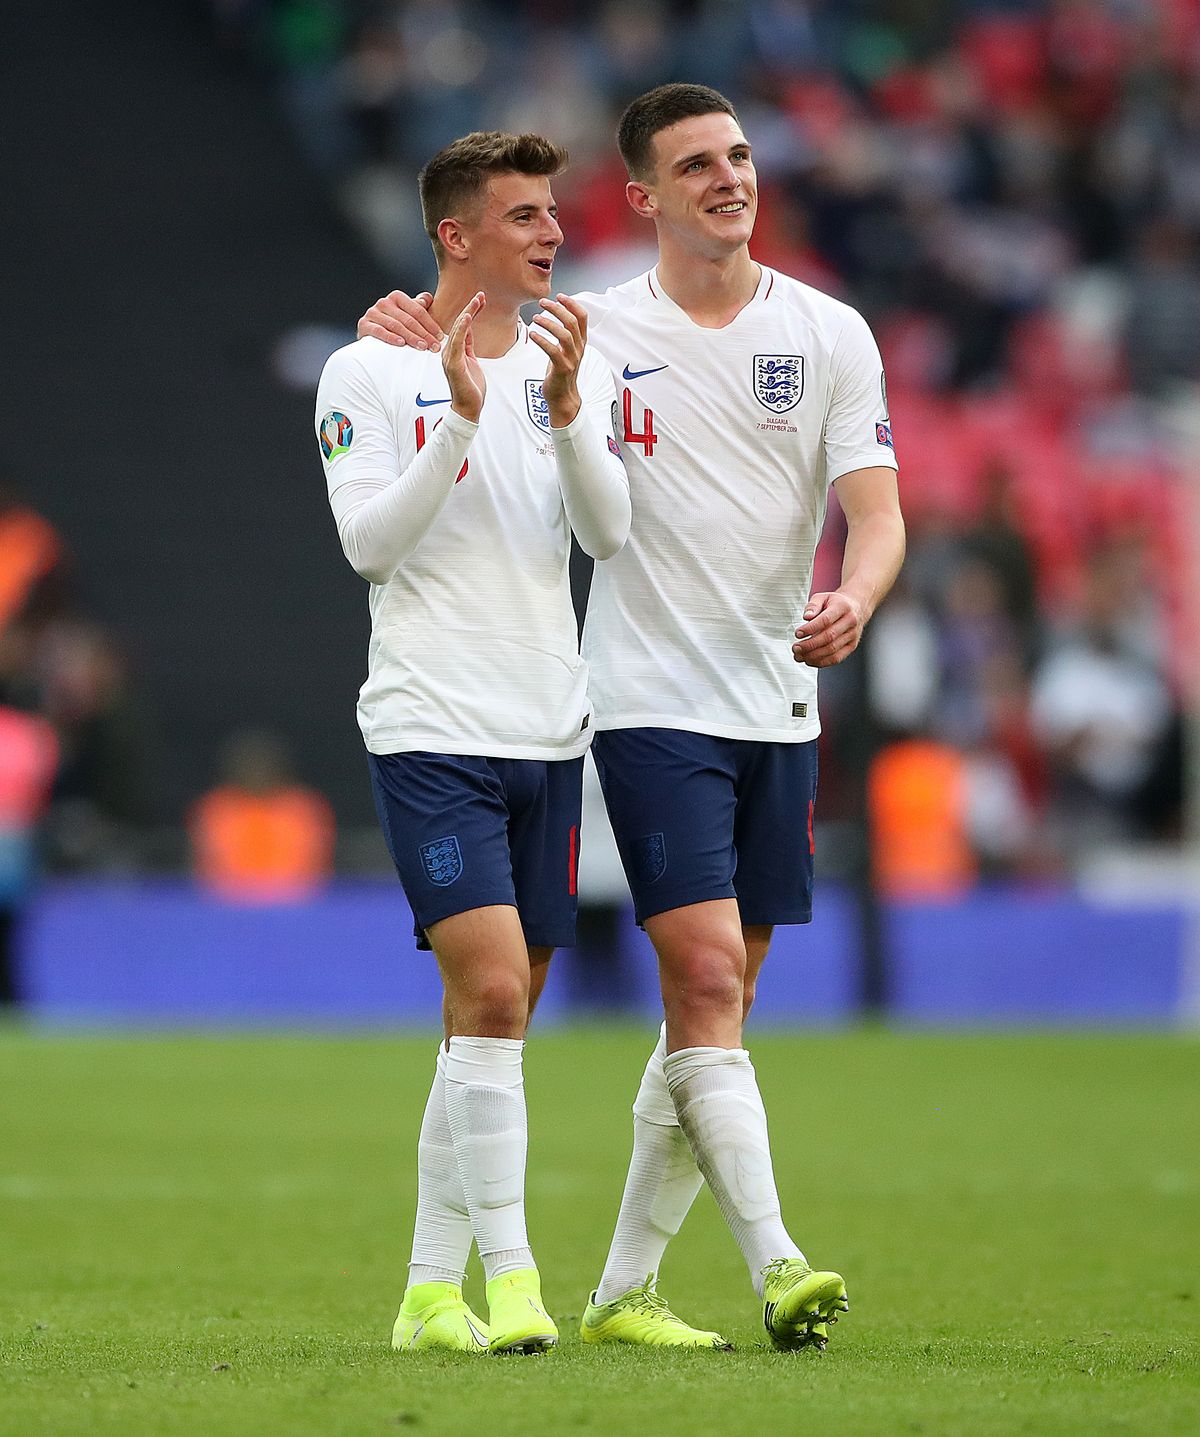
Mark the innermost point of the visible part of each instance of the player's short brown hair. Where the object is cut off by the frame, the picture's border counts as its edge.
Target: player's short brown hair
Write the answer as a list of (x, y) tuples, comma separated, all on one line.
[(457, 176), (654, 111)]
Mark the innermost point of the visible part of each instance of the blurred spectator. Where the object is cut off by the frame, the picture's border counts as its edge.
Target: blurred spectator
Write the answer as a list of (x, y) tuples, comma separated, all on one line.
[(1163, 325), (101, 805), (32, 565), (28, 756), (260, 836), (1103, 713), (995, 540), (917, 797)]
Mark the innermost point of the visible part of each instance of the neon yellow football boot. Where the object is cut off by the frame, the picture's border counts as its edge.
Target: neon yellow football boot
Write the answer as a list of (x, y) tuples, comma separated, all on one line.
[(435, 1318), (517, 1319), (799, 1304), (643, 1319)]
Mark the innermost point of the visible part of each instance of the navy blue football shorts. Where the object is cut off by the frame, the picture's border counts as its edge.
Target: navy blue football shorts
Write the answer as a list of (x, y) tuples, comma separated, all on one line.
[(698, 818), (467, 832)]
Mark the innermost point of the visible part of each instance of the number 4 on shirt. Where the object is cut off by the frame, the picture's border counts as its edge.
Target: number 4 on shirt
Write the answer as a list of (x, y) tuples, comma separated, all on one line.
[(647, 438)]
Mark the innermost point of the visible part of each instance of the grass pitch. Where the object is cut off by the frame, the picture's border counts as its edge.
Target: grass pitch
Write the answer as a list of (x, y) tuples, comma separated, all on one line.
[(208, 1235)]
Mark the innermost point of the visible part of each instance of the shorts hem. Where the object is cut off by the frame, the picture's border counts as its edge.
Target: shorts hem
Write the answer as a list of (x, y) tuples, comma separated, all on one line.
[(793, 918), (790, 917), (665, 903), (426, 919)]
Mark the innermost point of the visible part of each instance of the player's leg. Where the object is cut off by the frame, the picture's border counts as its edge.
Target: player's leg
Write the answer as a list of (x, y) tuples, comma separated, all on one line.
[(445, 819), (774, 838), (494, 976), (757, 940), (484, 962), (660, 1188), (539, 971), (645, 775)]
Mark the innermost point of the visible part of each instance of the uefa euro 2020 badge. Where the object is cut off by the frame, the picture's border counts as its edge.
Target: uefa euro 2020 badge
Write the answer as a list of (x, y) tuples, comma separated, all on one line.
[(778, 381), (336, 434)]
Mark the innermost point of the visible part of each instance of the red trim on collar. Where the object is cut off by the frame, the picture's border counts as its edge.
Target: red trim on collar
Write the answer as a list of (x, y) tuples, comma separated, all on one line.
[(650, 282)]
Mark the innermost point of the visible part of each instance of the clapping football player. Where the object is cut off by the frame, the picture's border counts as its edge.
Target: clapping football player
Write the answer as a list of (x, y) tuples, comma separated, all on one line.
[(456, 483)]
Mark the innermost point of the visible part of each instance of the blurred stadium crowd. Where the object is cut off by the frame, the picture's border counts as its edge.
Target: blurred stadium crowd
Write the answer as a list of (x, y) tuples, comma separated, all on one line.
[(1010, 191)]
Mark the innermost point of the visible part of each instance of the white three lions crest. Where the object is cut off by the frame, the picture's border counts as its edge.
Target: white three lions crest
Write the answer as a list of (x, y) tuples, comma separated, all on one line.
[(778, 381), (539, 410)]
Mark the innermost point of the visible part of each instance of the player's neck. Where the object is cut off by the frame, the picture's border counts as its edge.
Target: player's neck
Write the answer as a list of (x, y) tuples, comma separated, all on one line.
[(711, 292), (495, 329)]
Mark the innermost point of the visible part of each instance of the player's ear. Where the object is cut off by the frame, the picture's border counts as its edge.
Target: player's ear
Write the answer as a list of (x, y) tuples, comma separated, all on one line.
[(641, 199), (454, 238)]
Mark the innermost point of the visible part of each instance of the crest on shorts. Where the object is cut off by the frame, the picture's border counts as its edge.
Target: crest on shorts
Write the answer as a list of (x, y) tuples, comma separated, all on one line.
[(443, 861), (649, 858), (778, 381), (539, 410)]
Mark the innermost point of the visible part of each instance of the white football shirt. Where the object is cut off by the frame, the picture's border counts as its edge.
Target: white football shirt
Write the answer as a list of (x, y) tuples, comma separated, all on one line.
[(731, 438), (473, 645)]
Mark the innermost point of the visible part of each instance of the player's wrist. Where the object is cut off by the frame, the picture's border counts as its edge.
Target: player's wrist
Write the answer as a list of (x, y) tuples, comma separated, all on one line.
[(859, 599), (564, 411)]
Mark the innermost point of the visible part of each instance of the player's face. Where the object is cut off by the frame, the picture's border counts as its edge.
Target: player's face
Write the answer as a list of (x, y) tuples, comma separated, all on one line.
[(703, 191), (515, 238)]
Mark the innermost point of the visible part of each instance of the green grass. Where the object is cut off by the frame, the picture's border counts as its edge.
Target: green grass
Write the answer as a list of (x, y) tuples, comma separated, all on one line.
[(208, 1235)]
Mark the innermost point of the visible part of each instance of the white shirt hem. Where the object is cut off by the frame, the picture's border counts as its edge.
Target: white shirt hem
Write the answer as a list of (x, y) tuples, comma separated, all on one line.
[(480, 748)]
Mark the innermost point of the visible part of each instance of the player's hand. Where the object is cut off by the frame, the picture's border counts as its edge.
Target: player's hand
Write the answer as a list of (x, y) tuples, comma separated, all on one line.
[(560, 331), (399, 320), (831, 631), (463, 373)]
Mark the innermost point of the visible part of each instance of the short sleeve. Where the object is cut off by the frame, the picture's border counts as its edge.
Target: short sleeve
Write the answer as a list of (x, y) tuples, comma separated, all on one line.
[(858, 428)]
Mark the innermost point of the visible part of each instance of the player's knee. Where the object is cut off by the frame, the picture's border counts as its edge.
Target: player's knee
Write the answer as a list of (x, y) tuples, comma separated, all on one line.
[(712, 981), (497, 1005)]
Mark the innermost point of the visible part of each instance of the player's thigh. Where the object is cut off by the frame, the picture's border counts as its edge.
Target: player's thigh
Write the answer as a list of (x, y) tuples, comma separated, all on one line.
[(670, 797), (773, 833), (484, 964), (445, 821), (544, 802)]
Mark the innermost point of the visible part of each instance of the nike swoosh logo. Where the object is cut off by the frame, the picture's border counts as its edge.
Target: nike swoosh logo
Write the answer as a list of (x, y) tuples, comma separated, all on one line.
[(628, 373), (475, 1333), (424, 403)]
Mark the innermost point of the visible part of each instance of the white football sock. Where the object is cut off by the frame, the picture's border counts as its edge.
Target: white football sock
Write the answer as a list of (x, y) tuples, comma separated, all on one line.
[(442, 1231), (720, 1109), (661, 1186), (485, 1103)]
